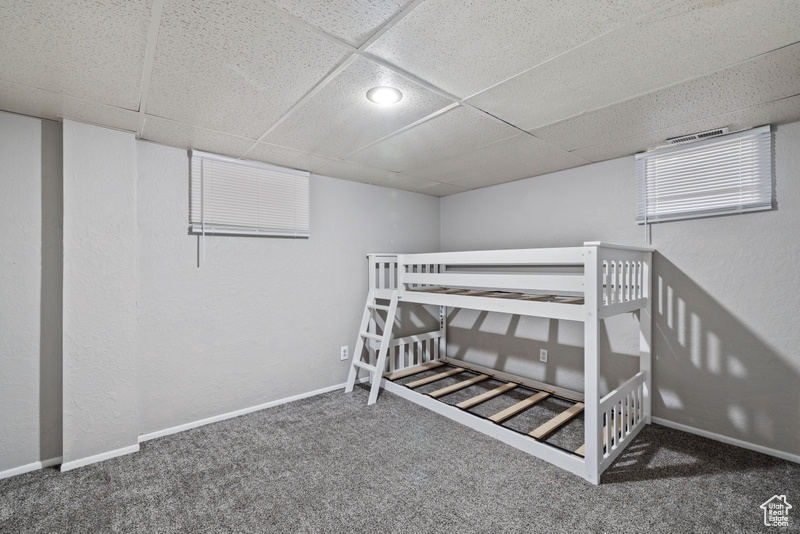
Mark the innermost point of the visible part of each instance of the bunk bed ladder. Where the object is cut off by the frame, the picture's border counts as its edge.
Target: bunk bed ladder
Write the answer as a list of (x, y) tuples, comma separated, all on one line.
[(368, 337)]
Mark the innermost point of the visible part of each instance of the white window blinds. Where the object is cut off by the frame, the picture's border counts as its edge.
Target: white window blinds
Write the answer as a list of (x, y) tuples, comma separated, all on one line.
[(729, 174), (237, 197)]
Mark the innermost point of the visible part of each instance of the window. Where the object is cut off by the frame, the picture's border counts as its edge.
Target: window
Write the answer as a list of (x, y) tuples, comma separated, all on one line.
[(718, 176), (238, 197)]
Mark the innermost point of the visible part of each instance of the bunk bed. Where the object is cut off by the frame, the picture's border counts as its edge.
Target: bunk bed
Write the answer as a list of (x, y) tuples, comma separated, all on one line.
[(586, 284)]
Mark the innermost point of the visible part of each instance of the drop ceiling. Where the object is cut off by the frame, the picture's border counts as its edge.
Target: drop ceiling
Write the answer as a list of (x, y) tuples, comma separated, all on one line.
[(493, 91)]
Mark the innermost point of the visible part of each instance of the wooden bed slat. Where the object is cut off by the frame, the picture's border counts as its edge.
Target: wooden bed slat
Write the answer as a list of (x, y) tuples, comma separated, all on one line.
[(434, 378), (582, 449), (455, 387), (500, 295), (478, 293), (511, 411), (429, 289), (483, 397), (576, 300), (556, 421), (413, 370)]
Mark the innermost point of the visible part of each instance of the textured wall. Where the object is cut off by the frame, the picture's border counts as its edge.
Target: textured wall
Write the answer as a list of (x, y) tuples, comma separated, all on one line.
[(261, 318), (20, 287), (727, 346), (50, 360), (99, 359)]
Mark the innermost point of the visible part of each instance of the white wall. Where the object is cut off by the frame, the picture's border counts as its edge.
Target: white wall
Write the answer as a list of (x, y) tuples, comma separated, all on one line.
[(727, 346), (20, 287), (99, 338), (262, 318), (30, 291), (150, 339)]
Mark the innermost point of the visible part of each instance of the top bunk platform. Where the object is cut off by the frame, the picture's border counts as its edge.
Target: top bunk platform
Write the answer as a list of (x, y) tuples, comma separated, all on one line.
[(562, 283)]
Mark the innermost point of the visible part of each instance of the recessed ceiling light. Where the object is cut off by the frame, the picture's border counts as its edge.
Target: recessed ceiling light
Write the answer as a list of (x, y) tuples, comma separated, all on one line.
[(384, 95)]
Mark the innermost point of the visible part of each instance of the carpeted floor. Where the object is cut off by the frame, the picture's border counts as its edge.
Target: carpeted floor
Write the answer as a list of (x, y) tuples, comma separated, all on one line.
[(331, 464)]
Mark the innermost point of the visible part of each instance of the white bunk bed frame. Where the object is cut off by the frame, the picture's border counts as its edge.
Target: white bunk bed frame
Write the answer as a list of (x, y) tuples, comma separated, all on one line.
[(586, 284)]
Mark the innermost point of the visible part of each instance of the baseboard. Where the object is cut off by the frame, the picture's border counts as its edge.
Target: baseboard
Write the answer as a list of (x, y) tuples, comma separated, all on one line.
[(237, 413), (725, 439), (27, 468), (153, 435), (74, 464)]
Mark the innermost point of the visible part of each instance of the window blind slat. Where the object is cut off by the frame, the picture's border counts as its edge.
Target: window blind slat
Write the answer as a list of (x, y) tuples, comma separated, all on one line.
[(236, 197), (726, 174)]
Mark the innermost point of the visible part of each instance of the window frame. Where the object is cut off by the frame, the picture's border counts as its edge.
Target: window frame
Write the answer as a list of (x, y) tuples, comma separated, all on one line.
[(292, 185), (760, 196)]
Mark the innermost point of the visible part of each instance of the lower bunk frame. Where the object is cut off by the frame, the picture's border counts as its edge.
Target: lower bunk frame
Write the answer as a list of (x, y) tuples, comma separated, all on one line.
[(624, 408)]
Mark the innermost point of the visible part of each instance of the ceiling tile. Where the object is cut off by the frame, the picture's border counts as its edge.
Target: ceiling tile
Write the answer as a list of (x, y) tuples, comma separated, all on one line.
[(55, 106), (442, 190), (352, 21), (172, 133), (91, 50), (354, 172), (522, 150), (777, 112), (286, 157), (235, 67), (339, 119), (496, 176), (454, 132), (769, 77), (644, 56), (466, 46), (407, 183)]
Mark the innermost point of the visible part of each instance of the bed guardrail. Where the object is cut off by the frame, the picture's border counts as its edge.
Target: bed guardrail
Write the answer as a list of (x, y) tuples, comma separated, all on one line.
[(622, 414), (625, 276), (410, 351), (407, 351), (383, 278)]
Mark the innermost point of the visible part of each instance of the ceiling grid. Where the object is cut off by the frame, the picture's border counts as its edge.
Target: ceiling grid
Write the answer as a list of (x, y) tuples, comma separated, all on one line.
[(492, 91)]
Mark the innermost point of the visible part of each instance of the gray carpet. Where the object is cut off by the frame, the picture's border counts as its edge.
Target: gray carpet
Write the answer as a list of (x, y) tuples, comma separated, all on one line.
[(331, 464)]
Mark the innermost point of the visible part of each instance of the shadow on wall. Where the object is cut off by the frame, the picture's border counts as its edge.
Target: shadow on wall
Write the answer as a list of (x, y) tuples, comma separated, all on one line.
[(711, 372), (410, 319), (51, 297), (511, 343)]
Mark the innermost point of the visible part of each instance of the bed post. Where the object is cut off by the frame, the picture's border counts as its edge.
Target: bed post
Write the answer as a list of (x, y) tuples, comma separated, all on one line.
[(646, 337), (591, 361)]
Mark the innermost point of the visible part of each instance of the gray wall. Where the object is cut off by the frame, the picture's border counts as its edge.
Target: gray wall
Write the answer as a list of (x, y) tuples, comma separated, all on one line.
[(30, 290), (150, 339), (20, 272), (99, 339), (727, 346), (262, 318)]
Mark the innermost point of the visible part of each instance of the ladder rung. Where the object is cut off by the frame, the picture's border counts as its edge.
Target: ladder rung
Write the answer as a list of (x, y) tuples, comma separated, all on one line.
[(378, 307), (370, 335), (364, 365)]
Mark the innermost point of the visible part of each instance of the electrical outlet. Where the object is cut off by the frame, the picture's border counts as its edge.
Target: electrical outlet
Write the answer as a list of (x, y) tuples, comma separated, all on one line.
[(344, 354), (543, 355)]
